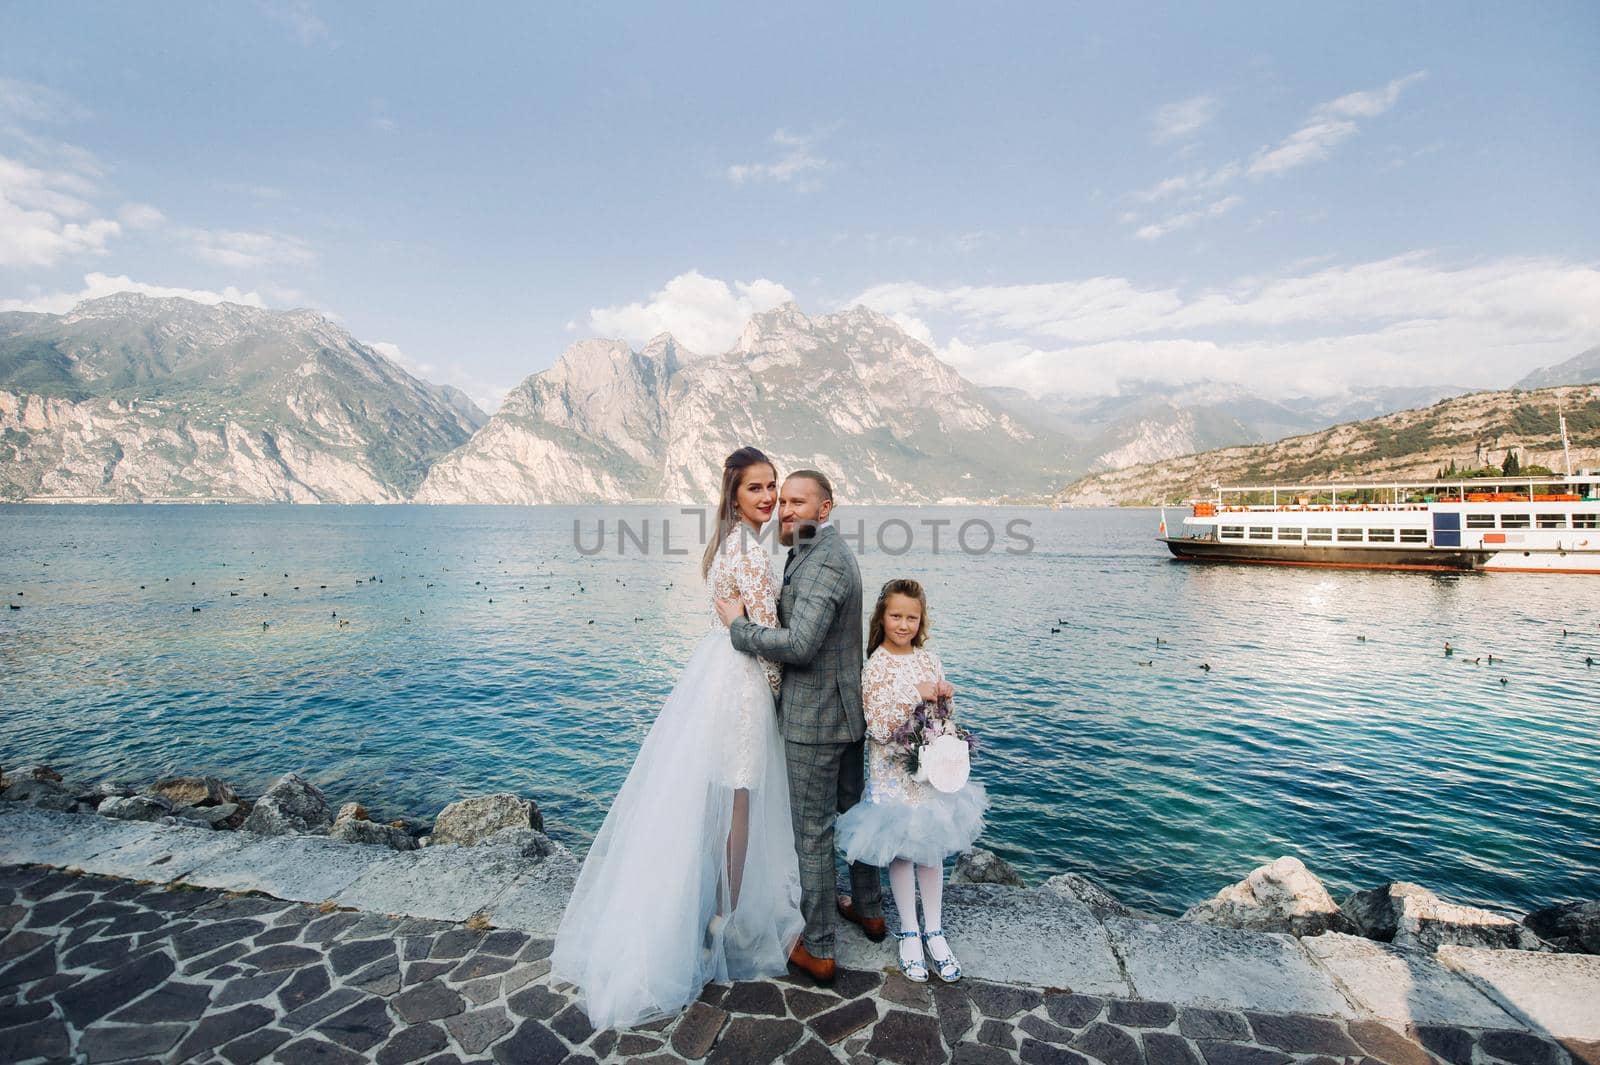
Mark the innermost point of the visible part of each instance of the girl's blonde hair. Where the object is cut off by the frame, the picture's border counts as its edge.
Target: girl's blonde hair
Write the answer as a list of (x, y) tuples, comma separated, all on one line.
[(733, 468), (899, 586)]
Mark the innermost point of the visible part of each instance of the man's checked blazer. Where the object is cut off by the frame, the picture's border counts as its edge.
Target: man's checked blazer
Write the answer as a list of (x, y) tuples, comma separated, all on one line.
[(819, 643)]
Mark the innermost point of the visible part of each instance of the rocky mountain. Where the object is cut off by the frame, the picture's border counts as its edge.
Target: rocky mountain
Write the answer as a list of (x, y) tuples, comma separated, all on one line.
[(1581, 369), (1147, 422), (1467, 430), (462, 403), (850, 394), (131, 397)]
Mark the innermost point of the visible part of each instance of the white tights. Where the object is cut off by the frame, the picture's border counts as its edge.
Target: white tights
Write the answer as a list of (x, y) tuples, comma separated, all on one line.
[(904, 880)]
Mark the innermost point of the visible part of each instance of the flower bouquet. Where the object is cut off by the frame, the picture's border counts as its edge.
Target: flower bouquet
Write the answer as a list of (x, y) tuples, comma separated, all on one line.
[(936, 750)]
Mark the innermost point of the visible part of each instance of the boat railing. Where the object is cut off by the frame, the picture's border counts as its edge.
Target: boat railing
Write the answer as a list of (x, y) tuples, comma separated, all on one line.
[(1401, 495)]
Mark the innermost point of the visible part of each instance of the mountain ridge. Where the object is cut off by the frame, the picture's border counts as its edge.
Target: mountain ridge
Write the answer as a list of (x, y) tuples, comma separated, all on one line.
[(1582, 368), (608, 424), (128, 396), (1469, 431)]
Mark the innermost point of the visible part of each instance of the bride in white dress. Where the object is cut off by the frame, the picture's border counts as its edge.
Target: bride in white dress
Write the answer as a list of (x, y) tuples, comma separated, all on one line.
[(693, 876)]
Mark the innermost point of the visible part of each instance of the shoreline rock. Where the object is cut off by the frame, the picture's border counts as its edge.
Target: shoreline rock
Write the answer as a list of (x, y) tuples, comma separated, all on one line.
[(136, 808), (469, 821), (354, 826), (1281, 896), (1572, 927), (193, 791), (293, 806), (44, 793), (1414, 918), (979, 866), (1082, 890)]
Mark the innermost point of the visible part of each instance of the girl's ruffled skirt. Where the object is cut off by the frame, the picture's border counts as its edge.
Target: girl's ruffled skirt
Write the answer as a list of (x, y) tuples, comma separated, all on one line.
[(941, 825)]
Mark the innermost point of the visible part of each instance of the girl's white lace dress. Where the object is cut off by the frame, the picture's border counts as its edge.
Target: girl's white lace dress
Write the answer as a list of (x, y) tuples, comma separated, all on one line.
[(901, 816), (634, 935)]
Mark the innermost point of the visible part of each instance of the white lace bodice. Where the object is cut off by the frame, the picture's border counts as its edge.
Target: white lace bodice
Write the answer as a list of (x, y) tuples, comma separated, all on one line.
[(888, 696), (743, 569)]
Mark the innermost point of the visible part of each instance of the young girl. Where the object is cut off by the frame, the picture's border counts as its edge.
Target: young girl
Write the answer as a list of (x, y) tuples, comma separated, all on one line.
[(906, 824)]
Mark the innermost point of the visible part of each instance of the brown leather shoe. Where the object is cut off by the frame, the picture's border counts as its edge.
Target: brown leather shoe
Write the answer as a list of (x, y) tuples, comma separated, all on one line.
[(821, 970), (874, 927)]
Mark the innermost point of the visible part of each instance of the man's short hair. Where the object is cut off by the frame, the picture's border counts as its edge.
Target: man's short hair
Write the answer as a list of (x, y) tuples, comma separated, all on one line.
[(821, 479)]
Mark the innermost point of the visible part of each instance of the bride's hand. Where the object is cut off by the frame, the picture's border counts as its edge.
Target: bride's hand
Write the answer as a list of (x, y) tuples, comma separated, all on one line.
[(945, 690), (928, 690), (728, 609)]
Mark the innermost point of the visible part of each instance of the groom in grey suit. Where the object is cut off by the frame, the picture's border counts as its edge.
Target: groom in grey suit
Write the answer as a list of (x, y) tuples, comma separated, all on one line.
[(819, 708)]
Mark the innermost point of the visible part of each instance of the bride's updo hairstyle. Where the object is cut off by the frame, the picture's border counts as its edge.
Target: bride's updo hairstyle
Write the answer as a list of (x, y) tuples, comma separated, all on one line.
[(733, 468), (899, 586)]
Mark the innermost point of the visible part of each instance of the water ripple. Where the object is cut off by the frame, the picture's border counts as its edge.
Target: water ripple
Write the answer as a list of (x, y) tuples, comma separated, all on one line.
[(1372, 759)]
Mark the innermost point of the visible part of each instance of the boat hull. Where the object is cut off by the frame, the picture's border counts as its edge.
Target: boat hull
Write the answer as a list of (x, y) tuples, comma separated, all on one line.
[(1402, 558)]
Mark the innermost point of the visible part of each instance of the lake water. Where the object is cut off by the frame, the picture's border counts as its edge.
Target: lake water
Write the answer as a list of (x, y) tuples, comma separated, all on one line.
[(1104, 752)]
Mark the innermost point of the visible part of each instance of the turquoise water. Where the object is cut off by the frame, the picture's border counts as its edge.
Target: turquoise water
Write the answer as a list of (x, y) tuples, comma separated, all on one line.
[(1372, 760)]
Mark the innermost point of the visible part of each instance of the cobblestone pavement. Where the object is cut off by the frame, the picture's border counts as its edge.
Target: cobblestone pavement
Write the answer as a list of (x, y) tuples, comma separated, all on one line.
[(96, 968)]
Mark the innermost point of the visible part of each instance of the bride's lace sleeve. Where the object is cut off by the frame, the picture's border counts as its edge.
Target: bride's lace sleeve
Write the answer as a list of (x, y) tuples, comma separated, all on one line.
[(752, 575), (887, 697)]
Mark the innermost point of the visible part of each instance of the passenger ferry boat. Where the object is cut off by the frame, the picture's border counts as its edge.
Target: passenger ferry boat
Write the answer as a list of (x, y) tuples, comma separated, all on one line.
[(1548, 525)]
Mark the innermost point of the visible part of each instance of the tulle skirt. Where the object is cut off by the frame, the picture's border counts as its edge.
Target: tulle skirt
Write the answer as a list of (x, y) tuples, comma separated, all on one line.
[(941, 825), (634, 937)]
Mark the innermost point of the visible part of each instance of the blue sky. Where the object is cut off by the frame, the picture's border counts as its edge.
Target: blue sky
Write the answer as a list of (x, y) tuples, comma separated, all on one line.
[(1296, 198)]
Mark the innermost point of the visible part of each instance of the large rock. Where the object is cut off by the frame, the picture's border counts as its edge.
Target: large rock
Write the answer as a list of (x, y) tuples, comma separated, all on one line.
[(1082, 890), (469, 821), (358, 830), (1573, 928), (1281, 896), (193, 791), (1414, 918), (41, 792), (96, 793), (228, 815), (136, 807), (978, 866), (292, 806)]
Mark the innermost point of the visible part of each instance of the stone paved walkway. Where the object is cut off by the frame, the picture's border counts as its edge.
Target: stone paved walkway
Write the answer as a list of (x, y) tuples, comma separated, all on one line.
[(97, 968)]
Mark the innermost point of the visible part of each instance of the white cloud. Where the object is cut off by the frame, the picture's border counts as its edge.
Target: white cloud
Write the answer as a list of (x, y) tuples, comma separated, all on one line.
[(487, 394), (242, 249), (1406, 320), (488, 397), (393, 353), (702, 313), (52, 200), (1156, 230), (1328, 125), (25, 101), (1373, 102), (300, 17), (97, 285), (141, 216), (797, 161), (45, 218), (1194, 183), (1183, 119)]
